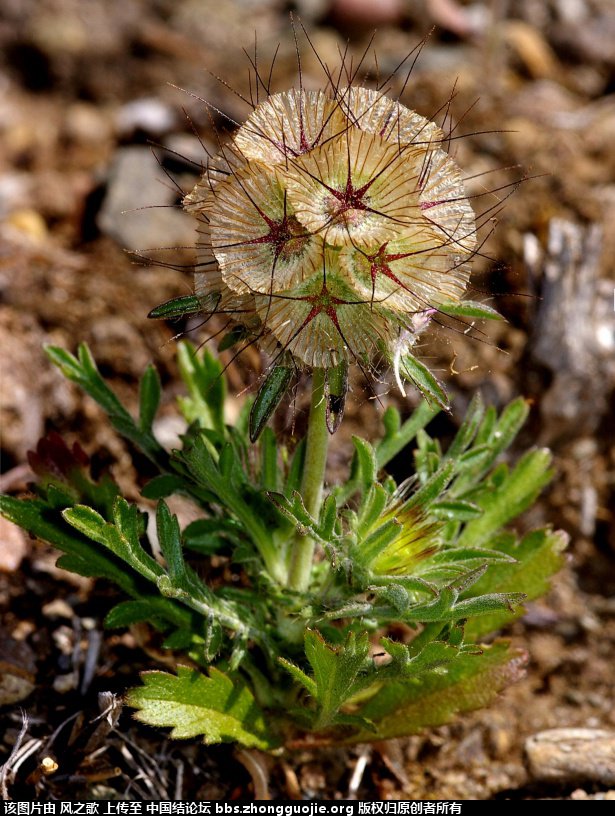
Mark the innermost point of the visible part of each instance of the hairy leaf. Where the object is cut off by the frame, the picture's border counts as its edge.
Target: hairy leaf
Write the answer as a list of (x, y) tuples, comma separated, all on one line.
[(202, 374), (335, 673), (336, 387), (408, 367), (83, 371), (511, 498), (268, 398), (218, 708), (470, 308), (149, 398), (538, 556), (176, 307), (398, 436), (468, 682)]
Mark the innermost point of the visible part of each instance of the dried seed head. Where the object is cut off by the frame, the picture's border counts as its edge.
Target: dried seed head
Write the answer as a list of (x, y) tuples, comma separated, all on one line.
[(337, 225)]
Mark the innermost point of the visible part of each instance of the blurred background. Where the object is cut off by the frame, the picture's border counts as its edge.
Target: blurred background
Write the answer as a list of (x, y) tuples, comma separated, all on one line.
[(87, 87)]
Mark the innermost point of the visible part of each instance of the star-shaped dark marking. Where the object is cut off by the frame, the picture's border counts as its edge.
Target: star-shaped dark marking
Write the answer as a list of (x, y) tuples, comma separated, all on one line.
[(287, 236), (379, 265), (324, 303), (350, 198)]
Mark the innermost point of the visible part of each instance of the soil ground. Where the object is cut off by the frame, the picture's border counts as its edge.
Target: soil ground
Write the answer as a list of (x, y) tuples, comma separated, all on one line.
[(80, 93)]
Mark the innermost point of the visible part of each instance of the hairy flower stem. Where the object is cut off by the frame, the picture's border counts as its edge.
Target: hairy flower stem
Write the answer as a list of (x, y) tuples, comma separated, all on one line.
[(302, 553)]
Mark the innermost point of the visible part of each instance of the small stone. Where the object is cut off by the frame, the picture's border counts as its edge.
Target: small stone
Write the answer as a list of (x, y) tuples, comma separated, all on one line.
[(63, 683), (49, 765), (85, 122), (29, 223), (13, 546), (148, 115), (572, 755), (14, 192), (17, 668), (58, 609), (138, 210)]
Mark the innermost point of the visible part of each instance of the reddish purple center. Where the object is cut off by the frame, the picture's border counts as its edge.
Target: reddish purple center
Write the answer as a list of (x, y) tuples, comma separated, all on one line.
[(287, 236)]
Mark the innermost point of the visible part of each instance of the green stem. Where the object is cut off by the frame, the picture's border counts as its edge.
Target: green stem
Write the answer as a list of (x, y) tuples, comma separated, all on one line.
[(302, 553)]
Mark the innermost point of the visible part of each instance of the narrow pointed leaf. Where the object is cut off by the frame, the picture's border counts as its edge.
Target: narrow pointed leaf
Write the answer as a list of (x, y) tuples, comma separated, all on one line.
[(397, 437), (335, 671), (367, 465), (410, 368), (336, 387), (268, 398), (470, 308), (176, 307), (149, 398)]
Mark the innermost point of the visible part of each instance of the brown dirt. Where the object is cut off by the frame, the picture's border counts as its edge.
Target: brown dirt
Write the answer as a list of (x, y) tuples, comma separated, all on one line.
[(542, 80)]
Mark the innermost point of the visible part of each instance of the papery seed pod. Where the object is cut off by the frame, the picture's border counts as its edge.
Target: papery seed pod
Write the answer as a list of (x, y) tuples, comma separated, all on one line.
[(356, 189), (256, 238), (288, 124), (324, 321)]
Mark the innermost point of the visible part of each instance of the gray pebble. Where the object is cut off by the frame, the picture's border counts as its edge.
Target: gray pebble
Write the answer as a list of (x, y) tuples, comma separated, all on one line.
[(572, 755)]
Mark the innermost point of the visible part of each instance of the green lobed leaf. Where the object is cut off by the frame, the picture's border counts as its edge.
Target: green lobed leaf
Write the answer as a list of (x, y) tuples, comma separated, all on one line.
[(406, 663), (218, 708), (511, 498), (182, 576), (82, 557), (294, 510), (82, 370), (169, 537), (335, 672), (248, 505), (122, 537), (470, 681), (538, 556)]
